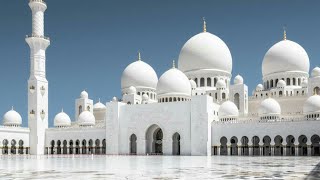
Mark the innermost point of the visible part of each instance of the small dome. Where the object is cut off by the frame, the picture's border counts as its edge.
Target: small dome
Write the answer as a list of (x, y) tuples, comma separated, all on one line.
[(86, 118), (304, 83), (259, 87), (114, 99), (312, 105), (315, 72), (139, 74), (269, 106), (193, 84), (281, 84), (12, 118), (132, 90), (228, 109), (238, 80), (99, 106), (145, 97), (62, 120), (285, 56), (205, 51), (84, 95), (221, 84), (174, 82)]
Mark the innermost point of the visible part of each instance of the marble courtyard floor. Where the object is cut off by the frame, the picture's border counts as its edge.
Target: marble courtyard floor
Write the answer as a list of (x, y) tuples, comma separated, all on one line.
[(158, 167)]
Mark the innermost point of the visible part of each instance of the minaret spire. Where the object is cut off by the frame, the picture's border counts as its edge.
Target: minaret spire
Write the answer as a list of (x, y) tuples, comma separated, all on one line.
[(204, 25)]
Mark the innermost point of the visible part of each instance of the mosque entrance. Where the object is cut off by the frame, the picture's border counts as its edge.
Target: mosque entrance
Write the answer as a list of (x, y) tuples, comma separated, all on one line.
[(154, 138), (176, 144)]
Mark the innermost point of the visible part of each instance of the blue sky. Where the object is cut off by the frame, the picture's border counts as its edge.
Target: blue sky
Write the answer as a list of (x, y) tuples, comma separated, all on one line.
[(93, 41)]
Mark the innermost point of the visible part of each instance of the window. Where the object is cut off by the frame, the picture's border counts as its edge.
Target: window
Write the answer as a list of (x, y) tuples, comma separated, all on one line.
[(88, 108), (80, 109), (202, 82), (288, 81), (223, 95), (209, 82), (237, 100)]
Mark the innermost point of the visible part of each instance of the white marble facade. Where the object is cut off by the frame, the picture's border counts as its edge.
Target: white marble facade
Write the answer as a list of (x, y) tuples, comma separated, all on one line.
[(195, 108)]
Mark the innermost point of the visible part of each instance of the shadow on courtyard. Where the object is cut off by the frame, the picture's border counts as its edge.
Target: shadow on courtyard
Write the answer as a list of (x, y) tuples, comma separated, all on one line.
[(315, 173)]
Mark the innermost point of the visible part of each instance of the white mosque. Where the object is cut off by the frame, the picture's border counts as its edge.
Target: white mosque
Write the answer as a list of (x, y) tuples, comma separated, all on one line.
[(192, 109)]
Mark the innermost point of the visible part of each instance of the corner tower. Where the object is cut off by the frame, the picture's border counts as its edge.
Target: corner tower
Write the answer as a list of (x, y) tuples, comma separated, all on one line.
[(37, 83)]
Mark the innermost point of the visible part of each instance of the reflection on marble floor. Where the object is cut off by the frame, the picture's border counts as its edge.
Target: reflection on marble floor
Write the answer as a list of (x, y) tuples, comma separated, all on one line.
[(158, 167)]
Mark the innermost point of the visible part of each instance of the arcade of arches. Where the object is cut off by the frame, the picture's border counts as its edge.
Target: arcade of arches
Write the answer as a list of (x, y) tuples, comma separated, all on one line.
[(13, 147), (77, 147), (281, 146)]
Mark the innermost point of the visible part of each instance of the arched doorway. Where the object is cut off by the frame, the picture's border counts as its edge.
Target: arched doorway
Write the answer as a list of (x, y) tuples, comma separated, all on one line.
[(20, 151), (13, 146), (59, 147), (223, 146), (290, 151), (315, 148), (154, 138), (278, 148), (70, 147), (303, 148), (234, 146), (97, 149), (104, 146), (133, 144), (5, 146), (52, 147), (84, 146), (244, 146), (77, 146), (176, 144), (255, 146), (266, 146), (65, 149), (90, 149)]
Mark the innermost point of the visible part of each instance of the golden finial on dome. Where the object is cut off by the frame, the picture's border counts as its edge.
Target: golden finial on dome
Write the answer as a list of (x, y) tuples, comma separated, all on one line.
[(204, 25), (139, 56), (173, 64), (284, 33)]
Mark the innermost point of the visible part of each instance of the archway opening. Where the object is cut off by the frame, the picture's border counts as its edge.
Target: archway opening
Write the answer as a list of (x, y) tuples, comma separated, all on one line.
[(278, 148), (5, 146), (97, 149), (20, 151), (70, 147), (290, 148), (84, 148), (223, 146), (255, 146), (133, 144), (13, 146), (234, 146), (59, 147), (65, 147), (303, 148), (77, 146), (315, 148), (104, 146), (52, 147), (176, 144), (154, 138), (266, 146), (244, 146)]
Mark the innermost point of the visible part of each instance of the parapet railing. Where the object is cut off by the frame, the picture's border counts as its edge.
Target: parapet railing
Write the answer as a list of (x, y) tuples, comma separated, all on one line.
[(37, 36), (41, 1)]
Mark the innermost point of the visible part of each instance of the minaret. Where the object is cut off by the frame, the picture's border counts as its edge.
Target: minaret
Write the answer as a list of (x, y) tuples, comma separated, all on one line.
[(37, 83)]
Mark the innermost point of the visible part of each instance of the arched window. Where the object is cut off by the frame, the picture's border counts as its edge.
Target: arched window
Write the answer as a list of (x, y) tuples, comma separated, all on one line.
[(223, 95), (294, 81), (201, 82), (275, 84), (170, 99), (267, 84), (196, 80), (288, 81), (237, 100), (215, 81), (216, 96), (271, 83), (299, 81), (280, 93), (88, 108), (316, 90), (209, 82), (80, 109)]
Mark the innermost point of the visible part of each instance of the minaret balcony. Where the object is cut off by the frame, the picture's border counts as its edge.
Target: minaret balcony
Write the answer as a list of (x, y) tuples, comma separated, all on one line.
[(37, 36), (40, 1)]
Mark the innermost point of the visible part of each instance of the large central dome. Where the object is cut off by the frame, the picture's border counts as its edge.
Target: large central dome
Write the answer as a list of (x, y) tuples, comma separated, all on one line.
[(285, 56), (205, 51)]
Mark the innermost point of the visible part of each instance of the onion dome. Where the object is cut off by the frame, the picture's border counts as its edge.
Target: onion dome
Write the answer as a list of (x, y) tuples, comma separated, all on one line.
[(131, 90), (84, 95), (281, 84), (205, 51), (315, 72), (114, 99), (145, 97), (193, 84), (12, 118), (174, 83), (139, 75), (285, 56), (269, 107), (312, 105), (238, 80), (228, 110), (99, 106), (259, 87), (304, 83), (86, 118), (221, 84), (62, 120)]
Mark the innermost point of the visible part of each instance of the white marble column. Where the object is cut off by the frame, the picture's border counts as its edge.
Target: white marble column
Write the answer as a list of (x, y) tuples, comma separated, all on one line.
[(228, 149), (250, 149), (296, 151), (218, 150), (309, 150)]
